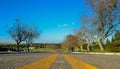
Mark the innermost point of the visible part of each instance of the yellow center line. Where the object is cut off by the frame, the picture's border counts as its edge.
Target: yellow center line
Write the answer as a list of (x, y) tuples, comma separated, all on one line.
[(41, 64), (76, 64)]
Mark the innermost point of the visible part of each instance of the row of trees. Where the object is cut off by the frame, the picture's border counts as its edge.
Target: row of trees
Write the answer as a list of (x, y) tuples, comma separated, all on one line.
[(94, 29), (21, 32)]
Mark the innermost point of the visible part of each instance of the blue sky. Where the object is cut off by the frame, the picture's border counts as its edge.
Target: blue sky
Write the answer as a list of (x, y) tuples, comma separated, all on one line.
[(54, 18)]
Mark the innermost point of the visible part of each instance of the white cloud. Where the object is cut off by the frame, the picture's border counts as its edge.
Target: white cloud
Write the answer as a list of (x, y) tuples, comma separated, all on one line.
[(62, 25), (66, 25)]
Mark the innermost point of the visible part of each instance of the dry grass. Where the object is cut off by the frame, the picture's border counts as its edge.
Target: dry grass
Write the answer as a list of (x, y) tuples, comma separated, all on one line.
[(41, 64), (76, 64)]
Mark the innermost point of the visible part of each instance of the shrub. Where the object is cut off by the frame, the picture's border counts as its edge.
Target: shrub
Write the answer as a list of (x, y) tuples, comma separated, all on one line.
[(113, 47)]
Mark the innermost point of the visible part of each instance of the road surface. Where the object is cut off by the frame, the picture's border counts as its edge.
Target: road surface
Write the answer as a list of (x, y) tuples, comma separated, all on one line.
[(17, 60)]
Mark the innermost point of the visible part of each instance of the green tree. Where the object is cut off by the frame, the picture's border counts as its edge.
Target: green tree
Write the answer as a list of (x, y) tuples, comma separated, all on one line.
[(108, 42), (114, 46), (117, 36)]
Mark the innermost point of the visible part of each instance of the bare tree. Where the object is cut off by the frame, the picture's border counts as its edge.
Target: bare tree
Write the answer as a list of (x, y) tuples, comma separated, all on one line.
[(71, 42), (81, 39), (31, 34), (87, 31), (17, 32), (65, 46), (107, 17)]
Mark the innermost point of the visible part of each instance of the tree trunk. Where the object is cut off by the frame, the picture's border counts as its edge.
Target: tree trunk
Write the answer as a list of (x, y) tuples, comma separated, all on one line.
[(81, 47), (100, 44), (72, 49), (18, 44), (28, 48), (88, 47)]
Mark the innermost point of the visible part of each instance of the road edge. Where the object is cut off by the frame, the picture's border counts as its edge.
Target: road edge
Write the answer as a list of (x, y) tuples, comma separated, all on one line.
[(98, 53)]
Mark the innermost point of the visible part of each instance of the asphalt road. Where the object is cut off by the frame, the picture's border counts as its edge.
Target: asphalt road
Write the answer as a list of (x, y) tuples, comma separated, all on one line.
[(60, 63), (100, 60), (15, 60)]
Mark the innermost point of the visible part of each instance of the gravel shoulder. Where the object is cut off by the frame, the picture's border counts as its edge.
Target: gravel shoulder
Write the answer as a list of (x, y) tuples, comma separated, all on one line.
[(13, 61), (101, 61)]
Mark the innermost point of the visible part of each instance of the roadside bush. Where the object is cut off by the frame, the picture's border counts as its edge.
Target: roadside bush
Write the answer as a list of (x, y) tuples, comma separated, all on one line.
[(95, 48), (113, 47), (3, 49)]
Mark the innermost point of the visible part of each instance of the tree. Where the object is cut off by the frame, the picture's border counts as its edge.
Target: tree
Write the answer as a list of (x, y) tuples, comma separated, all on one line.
[(106, 19), (108, 42), (88, 31), (81, 39), (71, 42), (64, 46), (17, 32), (117, 36), (31, 34)]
